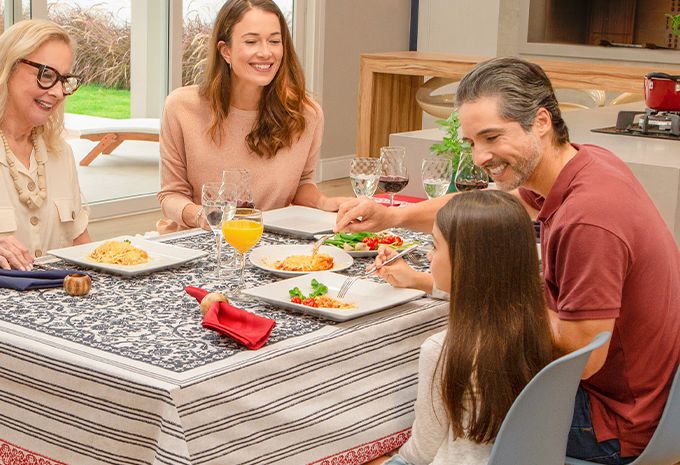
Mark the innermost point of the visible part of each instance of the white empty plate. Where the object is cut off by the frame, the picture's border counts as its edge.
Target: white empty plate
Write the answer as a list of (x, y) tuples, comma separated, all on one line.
[(368, 296), (299, 221)]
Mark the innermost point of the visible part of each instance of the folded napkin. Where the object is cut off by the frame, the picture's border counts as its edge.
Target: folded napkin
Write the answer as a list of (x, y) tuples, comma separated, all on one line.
[(26, 280), (250, 330)]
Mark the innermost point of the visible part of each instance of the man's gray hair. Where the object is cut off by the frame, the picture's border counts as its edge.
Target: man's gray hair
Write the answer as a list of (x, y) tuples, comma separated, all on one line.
[(522, 88)]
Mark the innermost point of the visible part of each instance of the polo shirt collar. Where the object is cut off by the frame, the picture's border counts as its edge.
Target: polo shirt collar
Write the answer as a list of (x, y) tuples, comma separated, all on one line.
[(560, 189)]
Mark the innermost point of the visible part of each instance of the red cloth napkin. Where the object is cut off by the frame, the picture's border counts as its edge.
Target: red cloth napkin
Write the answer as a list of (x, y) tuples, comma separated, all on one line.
[(250, 330)]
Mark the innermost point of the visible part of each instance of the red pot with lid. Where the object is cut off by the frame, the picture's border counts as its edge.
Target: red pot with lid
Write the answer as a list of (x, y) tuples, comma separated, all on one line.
[(662, 92)]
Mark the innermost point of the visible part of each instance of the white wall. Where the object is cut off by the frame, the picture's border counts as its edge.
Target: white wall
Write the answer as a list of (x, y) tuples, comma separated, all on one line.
[(350, 28), (462, 27)]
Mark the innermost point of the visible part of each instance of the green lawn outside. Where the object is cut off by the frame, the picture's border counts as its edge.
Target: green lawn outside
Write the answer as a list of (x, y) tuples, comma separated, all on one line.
[(96, 100)]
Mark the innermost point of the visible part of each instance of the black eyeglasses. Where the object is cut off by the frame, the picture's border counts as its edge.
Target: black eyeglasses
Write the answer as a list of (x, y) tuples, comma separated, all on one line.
[(48, 78)]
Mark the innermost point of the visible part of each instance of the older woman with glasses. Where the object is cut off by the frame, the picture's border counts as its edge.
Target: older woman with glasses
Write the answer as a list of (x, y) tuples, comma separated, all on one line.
[(40, 200)]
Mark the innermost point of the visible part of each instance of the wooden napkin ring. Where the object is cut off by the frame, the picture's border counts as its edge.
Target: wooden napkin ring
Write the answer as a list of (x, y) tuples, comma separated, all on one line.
[(77, 284)]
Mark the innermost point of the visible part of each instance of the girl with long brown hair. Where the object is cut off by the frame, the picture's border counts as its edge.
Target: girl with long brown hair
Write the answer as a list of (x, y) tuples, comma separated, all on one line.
[(251, 111), (498, 334)]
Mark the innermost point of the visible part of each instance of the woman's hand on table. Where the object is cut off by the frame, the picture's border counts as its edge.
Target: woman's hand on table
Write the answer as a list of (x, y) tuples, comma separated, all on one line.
[(194, 217), (399, 273), (363, 214), (13, 255)]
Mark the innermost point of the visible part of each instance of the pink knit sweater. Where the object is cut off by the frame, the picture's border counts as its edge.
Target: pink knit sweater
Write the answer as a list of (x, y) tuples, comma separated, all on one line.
[(189, 157)]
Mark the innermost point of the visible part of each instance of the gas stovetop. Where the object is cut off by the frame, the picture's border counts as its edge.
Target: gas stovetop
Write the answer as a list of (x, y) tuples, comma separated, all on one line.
[(650, 122)]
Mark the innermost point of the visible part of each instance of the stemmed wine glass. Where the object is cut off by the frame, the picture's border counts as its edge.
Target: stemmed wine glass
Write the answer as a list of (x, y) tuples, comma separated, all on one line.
[(470, 176), (436, 174), (219, 204), (394, 175), (240, 177), (243, 231), (364, 173)]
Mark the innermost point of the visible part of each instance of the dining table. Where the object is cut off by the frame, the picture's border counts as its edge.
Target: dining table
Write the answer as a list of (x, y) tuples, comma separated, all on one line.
[(127, 374)]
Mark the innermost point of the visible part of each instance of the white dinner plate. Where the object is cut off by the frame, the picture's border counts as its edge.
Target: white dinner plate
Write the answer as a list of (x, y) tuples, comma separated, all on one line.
[(352, 253), (265, 256), (368, 296), (356, 253), (161, 256), (299, 221)]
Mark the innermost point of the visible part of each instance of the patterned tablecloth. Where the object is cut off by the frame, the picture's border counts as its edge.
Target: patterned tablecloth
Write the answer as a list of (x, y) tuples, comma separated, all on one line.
[(127, 375)]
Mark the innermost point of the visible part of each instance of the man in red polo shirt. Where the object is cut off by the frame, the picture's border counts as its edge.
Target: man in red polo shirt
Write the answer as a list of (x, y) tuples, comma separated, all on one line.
[(609, 260)]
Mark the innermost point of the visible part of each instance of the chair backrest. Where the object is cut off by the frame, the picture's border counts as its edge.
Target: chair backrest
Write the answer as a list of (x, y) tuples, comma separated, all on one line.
[(664, 447), (536, 428), (583, 98)]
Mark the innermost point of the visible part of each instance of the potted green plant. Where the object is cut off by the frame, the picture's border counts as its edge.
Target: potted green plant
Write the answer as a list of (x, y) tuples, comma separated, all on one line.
[(451, 146), (675, 23)]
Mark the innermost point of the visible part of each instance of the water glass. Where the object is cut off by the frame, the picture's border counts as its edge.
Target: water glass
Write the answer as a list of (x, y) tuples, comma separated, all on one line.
[(364, 173), (243, 231), (394, 176), (219, 204), (436, 174)]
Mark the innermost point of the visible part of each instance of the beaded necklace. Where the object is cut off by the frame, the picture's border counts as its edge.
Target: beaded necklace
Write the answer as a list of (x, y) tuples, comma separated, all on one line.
[(32, 200)]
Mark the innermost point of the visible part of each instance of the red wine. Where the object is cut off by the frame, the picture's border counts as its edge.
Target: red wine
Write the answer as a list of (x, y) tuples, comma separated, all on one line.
[(471, 184), (392, 183), (245, 204)]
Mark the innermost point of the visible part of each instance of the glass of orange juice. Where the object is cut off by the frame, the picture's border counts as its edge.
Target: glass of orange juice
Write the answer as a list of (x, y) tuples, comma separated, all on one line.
[(243, 231)]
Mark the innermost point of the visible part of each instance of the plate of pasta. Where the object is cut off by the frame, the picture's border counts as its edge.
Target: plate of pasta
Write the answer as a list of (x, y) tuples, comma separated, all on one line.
[(297, 259), (363, 298), (127, 255)]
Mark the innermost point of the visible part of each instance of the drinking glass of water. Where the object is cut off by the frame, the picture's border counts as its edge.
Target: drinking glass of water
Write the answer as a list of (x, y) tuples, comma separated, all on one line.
[(436, 174), (364, 173), (219, 205), (394, 175)]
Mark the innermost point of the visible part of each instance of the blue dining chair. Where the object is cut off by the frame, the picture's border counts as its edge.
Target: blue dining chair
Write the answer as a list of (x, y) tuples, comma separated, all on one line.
[(664, 447), (535, 430)]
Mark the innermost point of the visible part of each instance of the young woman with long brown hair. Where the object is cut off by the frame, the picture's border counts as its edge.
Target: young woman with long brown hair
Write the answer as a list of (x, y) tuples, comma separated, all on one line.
[(498, 334), (251, 111)]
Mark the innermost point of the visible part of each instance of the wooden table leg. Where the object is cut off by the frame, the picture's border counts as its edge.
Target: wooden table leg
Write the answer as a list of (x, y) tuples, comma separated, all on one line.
[(387, 104)]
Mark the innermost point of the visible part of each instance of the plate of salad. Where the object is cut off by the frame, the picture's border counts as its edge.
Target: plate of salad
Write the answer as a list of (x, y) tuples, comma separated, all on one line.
[(365, 244)]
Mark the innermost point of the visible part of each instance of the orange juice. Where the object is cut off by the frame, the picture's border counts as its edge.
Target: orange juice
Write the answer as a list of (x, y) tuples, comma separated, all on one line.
[(242, 234)]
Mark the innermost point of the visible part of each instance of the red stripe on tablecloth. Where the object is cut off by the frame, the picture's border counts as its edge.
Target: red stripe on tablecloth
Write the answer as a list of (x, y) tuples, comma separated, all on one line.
[(367, 451), (16, 455)]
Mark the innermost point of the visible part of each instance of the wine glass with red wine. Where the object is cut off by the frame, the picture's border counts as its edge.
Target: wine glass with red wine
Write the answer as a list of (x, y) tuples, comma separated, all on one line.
[(470, 176), (394, 175)]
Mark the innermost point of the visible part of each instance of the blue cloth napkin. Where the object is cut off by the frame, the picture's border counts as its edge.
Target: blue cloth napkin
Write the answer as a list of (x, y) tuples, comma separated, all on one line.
[(27, 280)]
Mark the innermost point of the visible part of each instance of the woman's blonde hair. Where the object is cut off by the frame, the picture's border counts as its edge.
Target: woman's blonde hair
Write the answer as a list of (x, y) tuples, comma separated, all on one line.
[(280, 113), (19, 41)]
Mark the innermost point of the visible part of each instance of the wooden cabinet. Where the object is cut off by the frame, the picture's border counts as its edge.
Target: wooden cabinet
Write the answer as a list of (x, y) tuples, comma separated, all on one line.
[(612, 20)]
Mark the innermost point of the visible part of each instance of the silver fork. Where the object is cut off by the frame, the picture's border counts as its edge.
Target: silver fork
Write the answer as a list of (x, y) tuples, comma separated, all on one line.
[(319, 243), (352, 279)]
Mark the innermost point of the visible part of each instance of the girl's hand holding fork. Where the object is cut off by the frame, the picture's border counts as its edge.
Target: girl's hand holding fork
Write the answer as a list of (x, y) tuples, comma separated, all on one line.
[(399, 273)]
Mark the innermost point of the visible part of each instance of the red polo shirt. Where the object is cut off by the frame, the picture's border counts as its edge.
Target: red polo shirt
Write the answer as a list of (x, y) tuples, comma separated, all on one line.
[(607, 253)]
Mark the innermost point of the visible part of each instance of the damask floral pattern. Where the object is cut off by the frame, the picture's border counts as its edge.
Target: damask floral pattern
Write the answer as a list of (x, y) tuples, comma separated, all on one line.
[(149, 318), (15, 455), (366, 452)]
